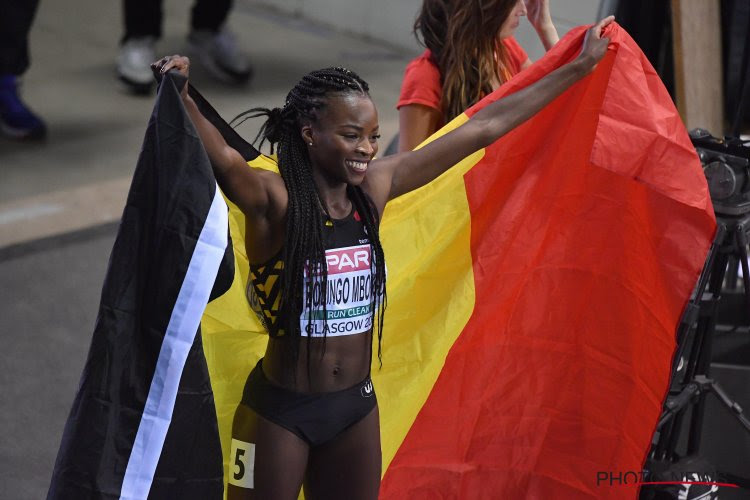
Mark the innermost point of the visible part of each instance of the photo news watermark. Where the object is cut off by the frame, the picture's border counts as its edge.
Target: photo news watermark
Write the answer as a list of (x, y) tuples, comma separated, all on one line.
[(643, 478)]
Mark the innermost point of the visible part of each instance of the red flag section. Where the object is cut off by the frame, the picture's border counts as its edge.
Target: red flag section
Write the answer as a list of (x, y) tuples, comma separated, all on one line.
[(590, 224)]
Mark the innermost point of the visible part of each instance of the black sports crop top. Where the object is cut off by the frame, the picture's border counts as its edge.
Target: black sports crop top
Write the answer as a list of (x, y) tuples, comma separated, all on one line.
[(348, 289)]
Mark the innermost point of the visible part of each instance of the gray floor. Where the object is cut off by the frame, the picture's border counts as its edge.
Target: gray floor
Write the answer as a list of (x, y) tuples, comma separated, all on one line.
[(52, 276), (50, 295)]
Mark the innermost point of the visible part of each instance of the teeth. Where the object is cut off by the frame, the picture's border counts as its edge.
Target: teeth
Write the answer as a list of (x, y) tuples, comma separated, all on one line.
[(357, 165)]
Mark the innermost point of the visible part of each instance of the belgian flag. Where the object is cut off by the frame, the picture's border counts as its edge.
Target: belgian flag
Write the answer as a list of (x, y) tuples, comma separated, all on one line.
[(534, 293)]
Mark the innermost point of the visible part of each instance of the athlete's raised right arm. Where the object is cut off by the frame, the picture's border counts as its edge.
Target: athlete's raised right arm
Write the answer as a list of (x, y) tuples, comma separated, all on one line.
[(256, 192)]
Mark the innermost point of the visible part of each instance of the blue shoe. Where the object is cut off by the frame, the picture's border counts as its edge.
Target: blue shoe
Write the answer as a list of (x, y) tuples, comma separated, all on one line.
[(16, 120)]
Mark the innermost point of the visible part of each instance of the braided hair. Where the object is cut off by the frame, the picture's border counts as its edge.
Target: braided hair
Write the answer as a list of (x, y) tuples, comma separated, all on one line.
[(304, 245)]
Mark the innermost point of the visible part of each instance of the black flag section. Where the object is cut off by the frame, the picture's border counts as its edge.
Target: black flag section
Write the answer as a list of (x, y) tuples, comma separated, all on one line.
[(143, 423)]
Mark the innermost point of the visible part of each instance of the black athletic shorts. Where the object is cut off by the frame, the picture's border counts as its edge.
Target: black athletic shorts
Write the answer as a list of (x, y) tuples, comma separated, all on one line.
[(316, 418)]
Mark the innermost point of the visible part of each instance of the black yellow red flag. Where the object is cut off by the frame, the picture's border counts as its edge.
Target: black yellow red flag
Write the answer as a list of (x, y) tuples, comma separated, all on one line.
[(534, 292)]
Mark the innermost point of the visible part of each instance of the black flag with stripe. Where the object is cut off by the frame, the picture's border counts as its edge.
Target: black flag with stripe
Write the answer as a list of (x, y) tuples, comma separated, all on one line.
[(143, 423)]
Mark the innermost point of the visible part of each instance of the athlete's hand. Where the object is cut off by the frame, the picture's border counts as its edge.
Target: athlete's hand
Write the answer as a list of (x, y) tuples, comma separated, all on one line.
[(176, 62), (594, 44)]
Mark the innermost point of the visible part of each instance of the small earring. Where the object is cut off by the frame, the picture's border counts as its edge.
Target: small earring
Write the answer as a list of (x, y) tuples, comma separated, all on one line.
[(309, 143)]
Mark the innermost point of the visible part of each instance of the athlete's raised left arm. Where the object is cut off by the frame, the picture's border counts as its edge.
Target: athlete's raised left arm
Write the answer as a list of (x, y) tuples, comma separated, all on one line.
[(395, 175)]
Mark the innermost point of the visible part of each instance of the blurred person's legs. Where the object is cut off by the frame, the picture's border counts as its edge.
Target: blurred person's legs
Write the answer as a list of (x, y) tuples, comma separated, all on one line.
[(143, 19), (214, 46), (16, 119)]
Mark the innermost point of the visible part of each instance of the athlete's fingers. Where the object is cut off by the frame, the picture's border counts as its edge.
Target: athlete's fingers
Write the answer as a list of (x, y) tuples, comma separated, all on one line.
[(599, 27), (159, 63), (169, 65), (180, 63)]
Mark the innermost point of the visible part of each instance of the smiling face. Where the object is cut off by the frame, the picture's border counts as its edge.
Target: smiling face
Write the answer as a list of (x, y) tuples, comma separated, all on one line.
[(344, 139), (509, 26)]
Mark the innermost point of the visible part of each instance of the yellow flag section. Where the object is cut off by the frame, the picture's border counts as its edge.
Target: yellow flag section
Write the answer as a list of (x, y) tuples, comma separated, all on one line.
[(426, 237)]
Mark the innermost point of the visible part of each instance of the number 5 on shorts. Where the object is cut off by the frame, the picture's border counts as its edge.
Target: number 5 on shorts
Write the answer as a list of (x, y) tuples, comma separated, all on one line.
[(243, 464)]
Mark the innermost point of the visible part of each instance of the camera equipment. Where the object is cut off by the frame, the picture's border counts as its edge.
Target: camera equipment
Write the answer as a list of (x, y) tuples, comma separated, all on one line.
[(726, 164)]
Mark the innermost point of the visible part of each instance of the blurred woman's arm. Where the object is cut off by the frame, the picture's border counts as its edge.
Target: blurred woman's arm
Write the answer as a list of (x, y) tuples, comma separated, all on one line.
[(538, 14)]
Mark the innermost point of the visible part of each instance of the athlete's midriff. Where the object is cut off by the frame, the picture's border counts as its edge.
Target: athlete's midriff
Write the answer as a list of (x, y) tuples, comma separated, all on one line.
[(344, 363), (335, 321)]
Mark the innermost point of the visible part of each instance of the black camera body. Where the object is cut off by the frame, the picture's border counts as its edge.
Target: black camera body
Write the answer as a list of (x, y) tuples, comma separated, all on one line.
[(726, 165)]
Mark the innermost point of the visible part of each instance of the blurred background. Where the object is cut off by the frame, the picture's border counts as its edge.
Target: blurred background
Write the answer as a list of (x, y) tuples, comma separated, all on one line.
[(61, 197)]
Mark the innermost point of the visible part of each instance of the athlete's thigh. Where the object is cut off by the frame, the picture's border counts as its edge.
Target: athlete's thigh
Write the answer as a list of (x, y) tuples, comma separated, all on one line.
[(349, 466), (267, 461)]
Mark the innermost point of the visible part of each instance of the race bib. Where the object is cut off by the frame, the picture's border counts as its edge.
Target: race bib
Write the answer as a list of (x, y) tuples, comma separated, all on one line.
[(348, 294), (242, 464)]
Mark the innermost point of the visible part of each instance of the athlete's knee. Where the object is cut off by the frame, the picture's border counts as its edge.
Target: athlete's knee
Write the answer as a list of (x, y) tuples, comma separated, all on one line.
[(236, 493)]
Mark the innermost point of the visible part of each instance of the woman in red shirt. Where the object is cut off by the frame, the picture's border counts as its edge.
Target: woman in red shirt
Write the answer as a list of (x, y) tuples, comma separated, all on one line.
[(470, 52)]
